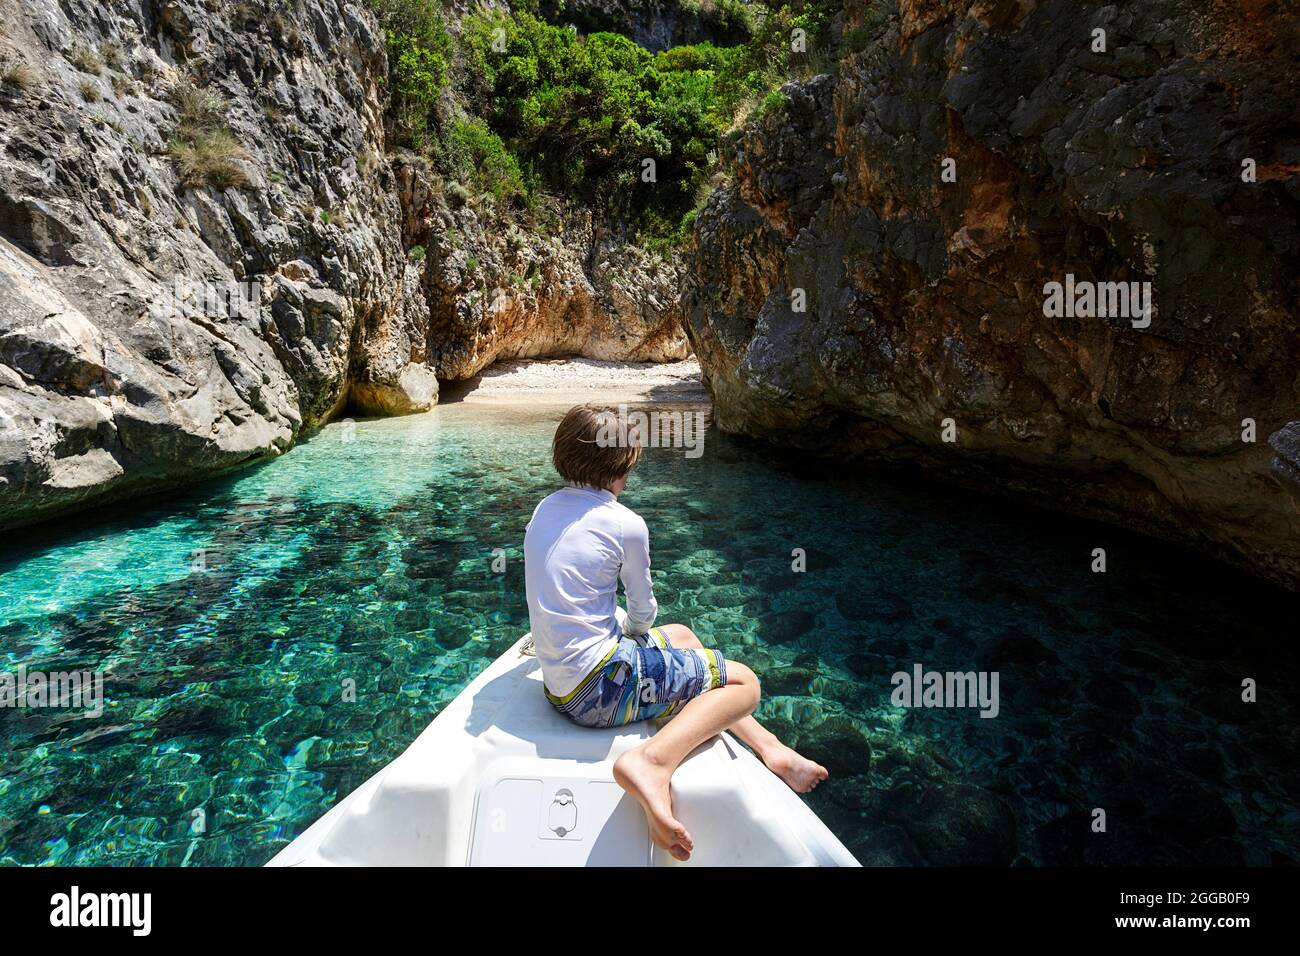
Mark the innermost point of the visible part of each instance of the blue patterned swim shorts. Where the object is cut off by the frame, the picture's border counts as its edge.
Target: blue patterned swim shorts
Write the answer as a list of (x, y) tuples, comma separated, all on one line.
[(642, 678)]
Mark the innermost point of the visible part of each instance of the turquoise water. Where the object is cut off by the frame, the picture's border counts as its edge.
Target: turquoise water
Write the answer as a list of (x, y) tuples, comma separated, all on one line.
[(233, 618)]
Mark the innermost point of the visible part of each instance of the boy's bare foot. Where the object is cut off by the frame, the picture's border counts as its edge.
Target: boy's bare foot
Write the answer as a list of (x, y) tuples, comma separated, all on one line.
[(648, 781), (799, 773)]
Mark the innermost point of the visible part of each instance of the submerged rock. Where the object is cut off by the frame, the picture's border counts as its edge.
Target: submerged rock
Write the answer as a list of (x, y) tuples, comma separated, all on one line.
[(782, 681), (866, 666), (1018, 648), (883, 607), (838, 744), (962, 825), (887, 845), (1157, 822), (783, 627)]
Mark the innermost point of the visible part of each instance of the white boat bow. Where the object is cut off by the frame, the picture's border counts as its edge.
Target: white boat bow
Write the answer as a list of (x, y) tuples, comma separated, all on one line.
[(500, 779)]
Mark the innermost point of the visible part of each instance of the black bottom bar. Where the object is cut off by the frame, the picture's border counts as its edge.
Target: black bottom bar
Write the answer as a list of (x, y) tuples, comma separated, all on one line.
[(809, 908)]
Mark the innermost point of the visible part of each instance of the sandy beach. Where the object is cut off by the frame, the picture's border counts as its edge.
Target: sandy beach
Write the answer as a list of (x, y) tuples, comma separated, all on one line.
[(577, 380)]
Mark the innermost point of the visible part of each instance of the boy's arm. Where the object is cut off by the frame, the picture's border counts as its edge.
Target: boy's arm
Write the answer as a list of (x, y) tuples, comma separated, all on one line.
[(635, 574)]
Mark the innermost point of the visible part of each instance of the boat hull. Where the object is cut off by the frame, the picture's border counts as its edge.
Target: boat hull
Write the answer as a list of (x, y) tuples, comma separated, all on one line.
[(499, 778)]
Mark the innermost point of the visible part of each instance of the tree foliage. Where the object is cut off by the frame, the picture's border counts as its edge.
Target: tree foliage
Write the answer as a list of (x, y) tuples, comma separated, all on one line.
[(419, 60), (592, 113), (540, 106)]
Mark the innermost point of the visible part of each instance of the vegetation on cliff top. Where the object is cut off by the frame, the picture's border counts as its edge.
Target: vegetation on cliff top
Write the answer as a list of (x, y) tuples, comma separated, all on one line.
[(517, 107), (598, 117), (723, 22)]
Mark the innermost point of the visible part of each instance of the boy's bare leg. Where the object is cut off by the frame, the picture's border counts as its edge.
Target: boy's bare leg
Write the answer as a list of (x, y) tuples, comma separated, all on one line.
[(645, 772), (799, 773)]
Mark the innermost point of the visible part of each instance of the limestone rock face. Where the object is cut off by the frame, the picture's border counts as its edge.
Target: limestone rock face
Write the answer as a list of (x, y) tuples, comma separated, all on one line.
[(497, 291), (844, 297), (153, 331), (157, 325)]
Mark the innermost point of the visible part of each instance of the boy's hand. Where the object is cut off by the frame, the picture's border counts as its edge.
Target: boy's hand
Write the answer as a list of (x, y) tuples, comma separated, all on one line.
[(636, 628)]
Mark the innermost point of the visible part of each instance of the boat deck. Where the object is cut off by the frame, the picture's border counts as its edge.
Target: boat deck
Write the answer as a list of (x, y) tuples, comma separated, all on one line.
[(500, 779)]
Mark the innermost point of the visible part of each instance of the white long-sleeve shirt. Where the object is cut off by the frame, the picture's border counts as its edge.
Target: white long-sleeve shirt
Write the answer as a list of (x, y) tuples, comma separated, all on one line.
[(579, 544)]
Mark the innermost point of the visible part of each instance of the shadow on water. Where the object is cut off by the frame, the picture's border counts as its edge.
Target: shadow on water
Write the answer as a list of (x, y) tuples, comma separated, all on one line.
[(346, 593)]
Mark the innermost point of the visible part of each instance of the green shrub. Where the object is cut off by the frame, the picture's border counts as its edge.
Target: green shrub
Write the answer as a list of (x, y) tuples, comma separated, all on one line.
[(285, 33), (416, 253), (419, 55), (767, 60), (205, 150), (474, 153), (86, 59), (662, 234), (584, 114), (17, 74), (772, 103), (458, 194), (580, 115), (735, 14), (113, 57), (213, 159), (198, 109)]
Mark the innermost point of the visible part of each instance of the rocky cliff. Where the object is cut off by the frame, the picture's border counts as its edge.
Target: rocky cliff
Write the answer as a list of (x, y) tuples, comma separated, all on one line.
[(874, 278), (499, 290), (202, 256), (198, 242)]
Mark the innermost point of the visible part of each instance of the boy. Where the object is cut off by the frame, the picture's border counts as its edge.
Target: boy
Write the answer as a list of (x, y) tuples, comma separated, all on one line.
[(580, 542)]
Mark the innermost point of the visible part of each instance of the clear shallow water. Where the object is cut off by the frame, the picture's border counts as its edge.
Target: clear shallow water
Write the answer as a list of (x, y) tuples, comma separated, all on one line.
[(365, 555)]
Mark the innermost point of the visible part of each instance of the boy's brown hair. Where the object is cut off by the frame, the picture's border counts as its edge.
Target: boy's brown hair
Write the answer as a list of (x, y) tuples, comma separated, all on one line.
[(593, 447)]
